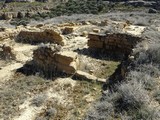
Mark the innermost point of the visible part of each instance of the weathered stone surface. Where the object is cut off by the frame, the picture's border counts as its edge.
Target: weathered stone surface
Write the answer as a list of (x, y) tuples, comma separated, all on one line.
[(67, 61), (95, 44), (50, 58), (96, 30), (66, 57), (69, 69), (116, 42), (84, 33), (93, 36), (47, 35), (87, 76)]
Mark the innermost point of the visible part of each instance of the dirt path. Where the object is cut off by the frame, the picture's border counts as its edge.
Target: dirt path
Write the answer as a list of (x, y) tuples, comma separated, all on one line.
[(7, 71), (23, 54)]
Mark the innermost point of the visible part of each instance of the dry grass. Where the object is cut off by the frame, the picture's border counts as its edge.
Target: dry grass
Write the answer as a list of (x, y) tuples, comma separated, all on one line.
[(81, 95), (16, 91), (101, 68)]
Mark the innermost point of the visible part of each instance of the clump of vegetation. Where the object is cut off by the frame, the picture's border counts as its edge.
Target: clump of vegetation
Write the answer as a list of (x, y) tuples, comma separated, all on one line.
[(148, 81), (157, 95), (79, 7), (101, 110), (21, 21), (132, 96), (39, 100), (48, 114)]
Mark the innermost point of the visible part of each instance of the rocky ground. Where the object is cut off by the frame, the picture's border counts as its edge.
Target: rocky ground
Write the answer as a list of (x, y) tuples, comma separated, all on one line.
[(29, 95)]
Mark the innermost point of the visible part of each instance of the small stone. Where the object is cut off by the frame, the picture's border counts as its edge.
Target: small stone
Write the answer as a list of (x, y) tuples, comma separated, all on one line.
[(96, 30), (84, 33)]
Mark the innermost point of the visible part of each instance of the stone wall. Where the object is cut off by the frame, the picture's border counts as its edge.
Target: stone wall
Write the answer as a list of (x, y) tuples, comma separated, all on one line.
[(116, 42), (51, 59), (45, 36)]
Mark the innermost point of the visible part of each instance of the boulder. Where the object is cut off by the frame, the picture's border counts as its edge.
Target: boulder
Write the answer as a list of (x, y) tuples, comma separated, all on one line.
[(96, 30), (67, 61), (65, 57), (84, 33)]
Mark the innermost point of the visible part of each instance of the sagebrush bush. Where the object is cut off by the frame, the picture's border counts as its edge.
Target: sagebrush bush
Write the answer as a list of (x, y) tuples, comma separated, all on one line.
[(22, 21), (39, 100), (133, 96), (141, 21), (51, 112), (147, 113), (148, 69), (150, 56), (157, 95), (152, 34), (147, 80), (101, 111)]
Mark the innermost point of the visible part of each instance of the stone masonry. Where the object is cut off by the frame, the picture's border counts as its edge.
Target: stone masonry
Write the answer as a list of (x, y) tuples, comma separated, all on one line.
[(48, 35), (49, 58), (116, 42)]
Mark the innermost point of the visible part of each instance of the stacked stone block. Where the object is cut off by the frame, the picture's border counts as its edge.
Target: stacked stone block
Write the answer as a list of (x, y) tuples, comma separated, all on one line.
[(50, 59), (116, 42), (45, 36)]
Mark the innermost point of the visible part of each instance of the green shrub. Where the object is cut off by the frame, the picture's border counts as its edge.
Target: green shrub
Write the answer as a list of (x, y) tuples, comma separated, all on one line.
[(22, 21)]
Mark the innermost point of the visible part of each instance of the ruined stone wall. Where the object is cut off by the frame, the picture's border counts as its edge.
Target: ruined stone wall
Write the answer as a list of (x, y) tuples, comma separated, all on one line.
[(45, 36), (51, 59), (115, 42)]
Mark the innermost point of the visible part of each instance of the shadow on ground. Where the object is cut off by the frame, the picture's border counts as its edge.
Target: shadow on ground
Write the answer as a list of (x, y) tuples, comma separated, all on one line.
[(102, 54), (30, 69)]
